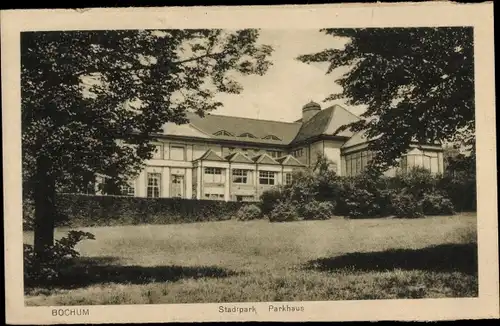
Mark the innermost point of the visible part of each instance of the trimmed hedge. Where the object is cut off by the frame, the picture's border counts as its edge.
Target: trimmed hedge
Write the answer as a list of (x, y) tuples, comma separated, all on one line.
[(76, 210)]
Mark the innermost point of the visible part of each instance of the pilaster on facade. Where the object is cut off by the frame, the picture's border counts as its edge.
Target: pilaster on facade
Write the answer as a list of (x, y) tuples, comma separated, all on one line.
[(189, 183), (199, 181), (227, 194)]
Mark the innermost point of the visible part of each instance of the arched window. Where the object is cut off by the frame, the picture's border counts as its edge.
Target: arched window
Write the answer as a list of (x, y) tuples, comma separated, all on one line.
[(247, 135), (223, 133), (272, 137)]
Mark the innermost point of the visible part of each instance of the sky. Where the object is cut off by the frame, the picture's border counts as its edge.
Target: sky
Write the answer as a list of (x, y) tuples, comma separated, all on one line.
[(288, 84)]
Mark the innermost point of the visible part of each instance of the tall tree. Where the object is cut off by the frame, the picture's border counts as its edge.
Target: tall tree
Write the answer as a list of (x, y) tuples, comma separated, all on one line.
[(417, 85), (93, 100)]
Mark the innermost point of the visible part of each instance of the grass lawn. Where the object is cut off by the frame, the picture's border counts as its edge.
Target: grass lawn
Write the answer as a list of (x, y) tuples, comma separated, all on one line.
[(235, 261)]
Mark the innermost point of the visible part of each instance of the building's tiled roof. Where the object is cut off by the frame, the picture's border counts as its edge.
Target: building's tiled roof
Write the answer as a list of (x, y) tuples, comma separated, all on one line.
[(211, 124), (356, 139), (238, 157), (264, 159), (210, 155), (289, 160), (266, 132), (326, 122)]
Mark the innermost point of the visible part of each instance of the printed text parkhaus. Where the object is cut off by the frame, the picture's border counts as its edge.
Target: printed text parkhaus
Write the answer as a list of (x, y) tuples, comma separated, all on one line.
[(252, 309)]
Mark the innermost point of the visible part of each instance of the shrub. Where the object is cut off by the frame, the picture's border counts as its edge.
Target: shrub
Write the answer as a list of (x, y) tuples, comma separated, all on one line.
[(248, 212), (58, 257), (304, 187), (436, 204), (284, 211), (269, 199), (360, 203), (363, 196), (317, 210), (416, 181), (405, 205), (460, 188)]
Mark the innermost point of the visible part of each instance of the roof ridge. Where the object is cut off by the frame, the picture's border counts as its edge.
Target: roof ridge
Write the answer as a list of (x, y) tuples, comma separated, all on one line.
[(308, 122), (330, 119), (245, 118), (347, 110)]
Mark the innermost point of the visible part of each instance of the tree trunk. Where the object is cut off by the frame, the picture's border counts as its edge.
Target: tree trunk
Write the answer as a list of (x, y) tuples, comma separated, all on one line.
[(44, 198)]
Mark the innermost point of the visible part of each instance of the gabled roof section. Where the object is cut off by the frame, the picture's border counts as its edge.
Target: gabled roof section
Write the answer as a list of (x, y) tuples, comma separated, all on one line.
[(188, 130), (273, 137), (289, 160), (247, 135), (223, 133), (264, 159), (238, 157), (210, 155), (357, 139), (327, 122), (211, 124)]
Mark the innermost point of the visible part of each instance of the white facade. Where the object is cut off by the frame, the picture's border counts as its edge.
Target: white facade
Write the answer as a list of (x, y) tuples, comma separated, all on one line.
[(212, 178), (236, 159)]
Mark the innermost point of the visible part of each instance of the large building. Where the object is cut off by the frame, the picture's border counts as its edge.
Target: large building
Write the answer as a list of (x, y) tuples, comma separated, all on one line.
[(236, 159)]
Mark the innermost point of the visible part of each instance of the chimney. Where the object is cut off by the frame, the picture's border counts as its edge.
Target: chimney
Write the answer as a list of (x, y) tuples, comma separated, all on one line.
[(309, 110)]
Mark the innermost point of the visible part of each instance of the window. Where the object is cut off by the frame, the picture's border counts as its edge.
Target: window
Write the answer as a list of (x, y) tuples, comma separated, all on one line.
[(153, 190), (214, 175), (272, 137), (348, 165), (240, 176), (288, 178), (177, 185), (266, 177), (247, 135), (357, 157), (223, 133), (403, 163), (244, 198), (410, 162), (128, 189), (214, 196), (274, 154), (426, 162), (298, 152), (369, 157), (357, 162), (177, 153), (364, 156), (158, 152), (434, 165)]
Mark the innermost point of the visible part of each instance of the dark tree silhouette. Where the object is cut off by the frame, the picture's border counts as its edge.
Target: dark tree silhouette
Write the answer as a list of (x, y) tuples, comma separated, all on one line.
[(137, 80), (417, 84)]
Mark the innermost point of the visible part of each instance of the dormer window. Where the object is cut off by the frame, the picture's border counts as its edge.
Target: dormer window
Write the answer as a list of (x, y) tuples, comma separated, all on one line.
[(271, 137), (247, 135), (223, 133)]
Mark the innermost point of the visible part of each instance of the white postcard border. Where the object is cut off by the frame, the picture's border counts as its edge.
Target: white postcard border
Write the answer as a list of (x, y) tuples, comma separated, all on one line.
[(480, 16)]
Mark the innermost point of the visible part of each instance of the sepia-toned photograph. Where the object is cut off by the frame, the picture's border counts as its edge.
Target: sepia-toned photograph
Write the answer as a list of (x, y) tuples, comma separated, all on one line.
[(247, 165)]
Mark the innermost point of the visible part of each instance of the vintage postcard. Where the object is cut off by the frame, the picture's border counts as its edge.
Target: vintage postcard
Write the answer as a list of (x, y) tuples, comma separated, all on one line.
[(266, 163)]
